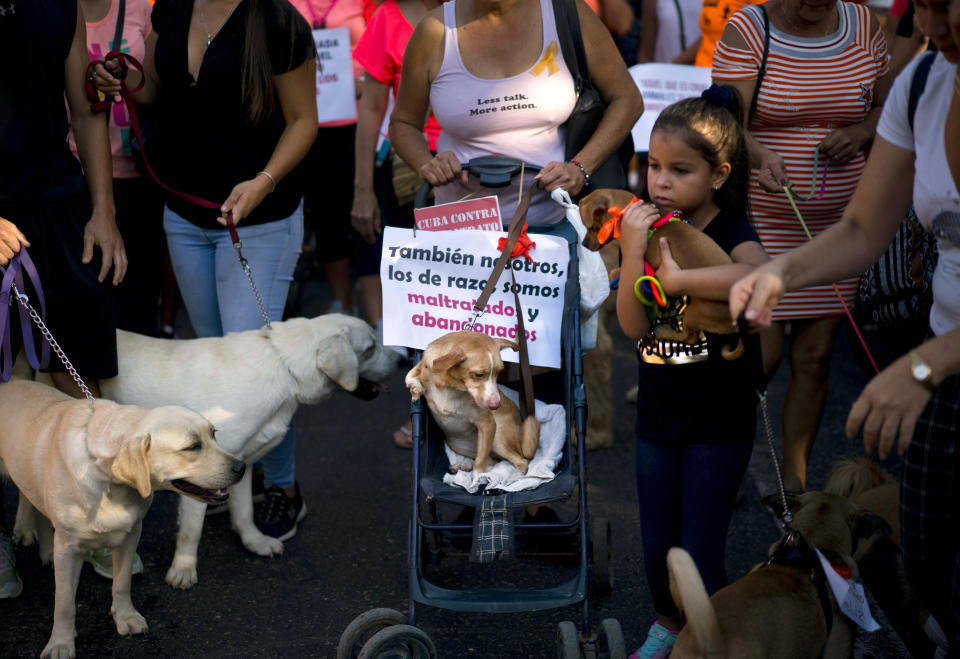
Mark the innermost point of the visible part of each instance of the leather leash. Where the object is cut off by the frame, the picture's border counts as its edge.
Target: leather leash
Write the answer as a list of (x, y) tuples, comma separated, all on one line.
[(126, 94)]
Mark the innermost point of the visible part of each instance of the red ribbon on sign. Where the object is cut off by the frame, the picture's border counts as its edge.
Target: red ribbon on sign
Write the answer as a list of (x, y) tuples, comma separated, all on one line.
[(522, 246)]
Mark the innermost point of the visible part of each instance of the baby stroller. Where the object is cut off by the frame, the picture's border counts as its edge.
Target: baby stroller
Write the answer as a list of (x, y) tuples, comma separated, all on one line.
[(585, 539)]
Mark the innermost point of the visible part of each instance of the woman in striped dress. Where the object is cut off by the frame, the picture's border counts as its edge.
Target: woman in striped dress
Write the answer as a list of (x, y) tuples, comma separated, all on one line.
[(817, 108)]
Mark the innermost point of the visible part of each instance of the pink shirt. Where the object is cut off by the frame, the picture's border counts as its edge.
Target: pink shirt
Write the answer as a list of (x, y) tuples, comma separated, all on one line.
[(136, 28), (380, 53), (336, 13)]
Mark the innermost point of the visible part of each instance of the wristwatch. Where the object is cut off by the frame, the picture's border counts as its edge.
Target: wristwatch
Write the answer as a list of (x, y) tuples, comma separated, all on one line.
[(921, 370)]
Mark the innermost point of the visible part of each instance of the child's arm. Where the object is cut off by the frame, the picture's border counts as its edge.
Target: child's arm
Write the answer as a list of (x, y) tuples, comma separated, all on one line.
[(712, 283), (634, 227)]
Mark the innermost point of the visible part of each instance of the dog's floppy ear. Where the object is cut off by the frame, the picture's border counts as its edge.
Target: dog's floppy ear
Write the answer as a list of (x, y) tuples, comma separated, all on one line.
[(507, 343), (337, 360), (131, 467), (448, 361)]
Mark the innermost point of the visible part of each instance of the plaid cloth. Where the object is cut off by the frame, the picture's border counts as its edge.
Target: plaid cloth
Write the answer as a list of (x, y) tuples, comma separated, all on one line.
[(929, 515), (493, 530)]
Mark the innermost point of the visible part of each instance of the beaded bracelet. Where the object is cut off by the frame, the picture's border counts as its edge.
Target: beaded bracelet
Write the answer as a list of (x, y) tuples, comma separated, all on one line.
[(586, 177)]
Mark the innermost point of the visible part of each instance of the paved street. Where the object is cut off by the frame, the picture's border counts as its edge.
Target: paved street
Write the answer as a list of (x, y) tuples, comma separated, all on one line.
[(350, 554)]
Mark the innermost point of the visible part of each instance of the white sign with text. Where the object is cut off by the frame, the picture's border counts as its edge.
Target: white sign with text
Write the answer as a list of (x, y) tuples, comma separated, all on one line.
[(431, 281), (662, 85), (336, 93)]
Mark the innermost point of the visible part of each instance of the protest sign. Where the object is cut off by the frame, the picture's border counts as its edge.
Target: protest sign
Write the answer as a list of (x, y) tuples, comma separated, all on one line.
[(431, 281), (482, 214), (336, 93), (662, 85)]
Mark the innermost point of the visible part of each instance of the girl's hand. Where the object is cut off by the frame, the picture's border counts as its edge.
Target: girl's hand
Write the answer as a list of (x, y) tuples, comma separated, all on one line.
[(890, 404), (107, 78), (772, 172), (757, 294), (245, 197), (669, 273), (442, 169), (634, 227), (11, 240), (365, 216), (842, 144), (561, 175)]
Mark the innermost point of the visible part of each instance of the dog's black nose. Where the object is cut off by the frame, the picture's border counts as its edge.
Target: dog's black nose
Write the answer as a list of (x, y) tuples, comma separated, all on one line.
[(238, 468)]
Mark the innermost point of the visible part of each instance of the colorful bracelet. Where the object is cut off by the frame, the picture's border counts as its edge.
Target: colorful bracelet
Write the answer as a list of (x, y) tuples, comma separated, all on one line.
[(586, 177)]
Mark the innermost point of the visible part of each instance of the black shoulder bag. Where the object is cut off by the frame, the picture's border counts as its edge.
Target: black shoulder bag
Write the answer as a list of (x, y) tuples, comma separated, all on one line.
[(590, 107)]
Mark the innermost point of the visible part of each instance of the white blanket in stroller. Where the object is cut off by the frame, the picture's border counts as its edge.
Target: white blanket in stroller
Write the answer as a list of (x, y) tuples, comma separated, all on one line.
[(503, 475)]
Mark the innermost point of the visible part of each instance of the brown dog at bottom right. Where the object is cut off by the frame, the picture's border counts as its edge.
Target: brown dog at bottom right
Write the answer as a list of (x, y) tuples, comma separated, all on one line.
[(774, 611), (690, 247)]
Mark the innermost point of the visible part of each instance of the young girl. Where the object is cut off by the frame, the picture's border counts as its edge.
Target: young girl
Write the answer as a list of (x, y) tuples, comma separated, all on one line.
[(695, 410)]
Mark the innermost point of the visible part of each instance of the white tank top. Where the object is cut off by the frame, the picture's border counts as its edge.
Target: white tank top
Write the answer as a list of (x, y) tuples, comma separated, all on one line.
[(519, 116)]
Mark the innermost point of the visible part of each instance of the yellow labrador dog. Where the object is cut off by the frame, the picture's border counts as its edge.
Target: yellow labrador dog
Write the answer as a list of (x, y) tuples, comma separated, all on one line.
[(91, 468), (249, 385)]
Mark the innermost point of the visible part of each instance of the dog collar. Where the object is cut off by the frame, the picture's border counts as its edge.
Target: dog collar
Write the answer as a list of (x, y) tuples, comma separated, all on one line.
[(794, 551)]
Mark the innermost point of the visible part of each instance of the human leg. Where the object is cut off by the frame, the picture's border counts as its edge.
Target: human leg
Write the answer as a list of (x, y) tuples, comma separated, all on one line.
[(811, 346), (711, 476), (192, 255), (10, 583), (930, 534)]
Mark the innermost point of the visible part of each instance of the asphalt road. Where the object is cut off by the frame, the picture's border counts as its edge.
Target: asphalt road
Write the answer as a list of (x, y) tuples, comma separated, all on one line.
[(350, 554)]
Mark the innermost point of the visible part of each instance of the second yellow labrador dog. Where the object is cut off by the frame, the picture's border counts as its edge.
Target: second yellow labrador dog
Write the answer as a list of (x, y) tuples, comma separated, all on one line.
[(91, 468)]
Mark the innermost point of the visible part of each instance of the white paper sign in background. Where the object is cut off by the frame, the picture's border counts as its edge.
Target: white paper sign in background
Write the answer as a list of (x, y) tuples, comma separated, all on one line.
[(336, 93), (431, 281), (662, 85)]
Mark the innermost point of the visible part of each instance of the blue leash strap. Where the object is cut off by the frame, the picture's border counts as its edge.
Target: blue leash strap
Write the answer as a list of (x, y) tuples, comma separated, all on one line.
[(13, 289)]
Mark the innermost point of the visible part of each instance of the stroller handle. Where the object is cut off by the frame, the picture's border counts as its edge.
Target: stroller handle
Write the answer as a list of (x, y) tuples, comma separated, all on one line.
[(493, 172)]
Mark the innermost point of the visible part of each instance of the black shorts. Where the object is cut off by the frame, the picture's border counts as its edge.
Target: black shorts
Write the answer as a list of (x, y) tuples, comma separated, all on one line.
[(80, 310)]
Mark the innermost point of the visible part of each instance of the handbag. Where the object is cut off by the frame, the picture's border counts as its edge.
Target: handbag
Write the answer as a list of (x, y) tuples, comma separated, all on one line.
[(589, 108), (405, 181)]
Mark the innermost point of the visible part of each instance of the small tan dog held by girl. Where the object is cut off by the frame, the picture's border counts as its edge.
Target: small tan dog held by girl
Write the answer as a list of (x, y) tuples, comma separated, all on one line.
[(458, 375)]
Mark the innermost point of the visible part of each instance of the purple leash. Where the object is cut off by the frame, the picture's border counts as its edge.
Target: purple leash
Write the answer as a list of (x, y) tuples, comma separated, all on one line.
[(12, 289)]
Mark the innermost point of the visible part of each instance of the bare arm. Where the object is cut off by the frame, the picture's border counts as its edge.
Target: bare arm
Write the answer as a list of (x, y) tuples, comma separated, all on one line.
[(648, 31), (712, 283), (106, 81), (624, 106), (689, 56), (880, 202), (633, 246), (296, 90), (421, 61), (617, 16), (93, 147), (365, 213)]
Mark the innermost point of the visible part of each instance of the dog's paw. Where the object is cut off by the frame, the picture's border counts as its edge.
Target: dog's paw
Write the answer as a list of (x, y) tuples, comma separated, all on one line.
[(182, 573), (262, 545), (25, 534), (481, 466), (415, 387), (463, 465), (59, 650), (522, 466), (130, 622)]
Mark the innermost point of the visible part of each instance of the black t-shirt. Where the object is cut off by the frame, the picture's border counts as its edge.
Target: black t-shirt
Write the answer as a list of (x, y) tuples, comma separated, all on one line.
[(691, 393), (36, 165), (203, 142)]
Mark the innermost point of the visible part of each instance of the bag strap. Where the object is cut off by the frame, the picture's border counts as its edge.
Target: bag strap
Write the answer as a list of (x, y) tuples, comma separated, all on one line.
[(118, 32), (763, 62), (917, 84), (571, 41)]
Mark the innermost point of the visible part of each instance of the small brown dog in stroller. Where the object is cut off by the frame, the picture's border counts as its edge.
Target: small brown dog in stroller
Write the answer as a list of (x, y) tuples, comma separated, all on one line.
[(458, 376)]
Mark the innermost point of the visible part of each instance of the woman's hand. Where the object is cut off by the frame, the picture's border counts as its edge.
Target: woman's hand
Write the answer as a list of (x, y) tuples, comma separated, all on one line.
[(842, 144), (365, 216), (107, 78), (563, 175), (442, 169), (772, 172), (757, 294), (890, 405), (245, 197), (11, 240), (101, 231), (669, 273), (634, 227)]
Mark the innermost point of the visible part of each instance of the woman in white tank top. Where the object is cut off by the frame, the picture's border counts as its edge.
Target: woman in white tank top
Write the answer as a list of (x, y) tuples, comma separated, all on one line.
[(493, 74)]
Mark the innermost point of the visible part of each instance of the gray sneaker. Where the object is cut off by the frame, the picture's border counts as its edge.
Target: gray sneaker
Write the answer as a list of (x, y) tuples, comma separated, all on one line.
[(10, 583), (102, 562)]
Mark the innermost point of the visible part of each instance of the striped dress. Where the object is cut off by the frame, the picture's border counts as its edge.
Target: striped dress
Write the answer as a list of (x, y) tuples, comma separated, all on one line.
[(811, 87)]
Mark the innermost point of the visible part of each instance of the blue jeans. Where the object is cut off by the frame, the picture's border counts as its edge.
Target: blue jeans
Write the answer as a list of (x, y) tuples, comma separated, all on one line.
[(687, 493), (218, 296)]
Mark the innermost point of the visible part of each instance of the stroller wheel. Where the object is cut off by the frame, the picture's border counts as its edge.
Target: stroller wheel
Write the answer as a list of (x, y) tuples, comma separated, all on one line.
[(363, 627), (612, 643), (601, 556), (568, 641), (401, 641)]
